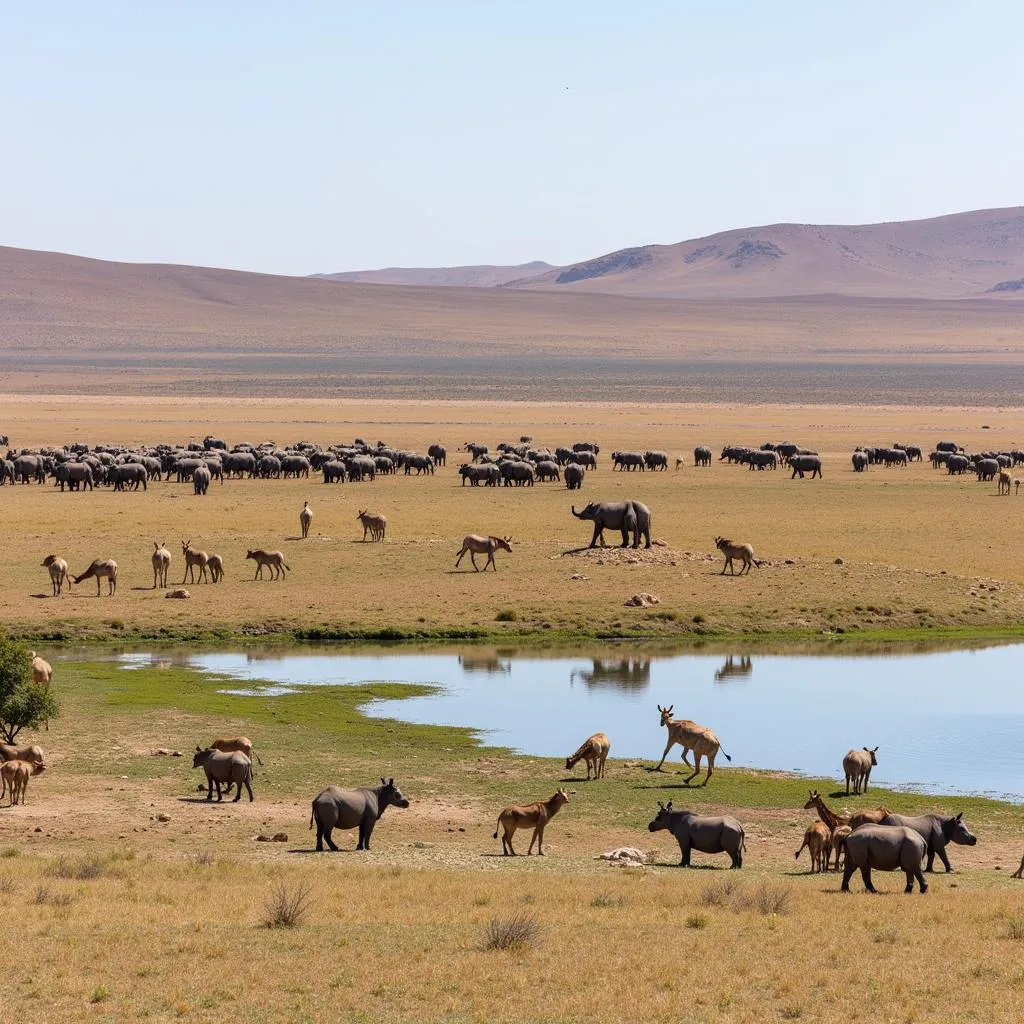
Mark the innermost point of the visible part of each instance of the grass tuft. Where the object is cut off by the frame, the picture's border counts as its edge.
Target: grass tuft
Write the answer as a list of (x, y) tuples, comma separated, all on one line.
[(518, 931), (100, 994), (506, 615), (287, 906), (772, 898), (607, 899), (1015, 927), (697, 921), (719, 894), (202, 859)]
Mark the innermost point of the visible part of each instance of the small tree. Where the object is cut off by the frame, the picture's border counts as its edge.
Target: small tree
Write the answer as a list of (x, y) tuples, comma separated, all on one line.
[(23, 704)]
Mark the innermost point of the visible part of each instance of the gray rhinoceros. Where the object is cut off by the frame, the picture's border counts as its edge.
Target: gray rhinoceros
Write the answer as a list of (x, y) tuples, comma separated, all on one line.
[(888, 848), (630, 517), (350, 808), (936, 831), (697, 832), (222, 767)]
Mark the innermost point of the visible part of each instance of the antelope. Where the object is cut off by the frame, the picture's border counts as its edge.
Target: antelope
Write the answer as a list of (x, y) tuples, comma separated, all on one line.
[(690, 736), (828, 816), (14, 776), (538, 814), (161, 564), (305, 518), (192, 559), (275, 559), (857, 765), (744, 552), (1019, 873), (374, 525), (42, 672), (838, 848), (477, 545), (818, 839), (101, 568), (216, 566), (1005, 481), (594, 751), (58, 569)]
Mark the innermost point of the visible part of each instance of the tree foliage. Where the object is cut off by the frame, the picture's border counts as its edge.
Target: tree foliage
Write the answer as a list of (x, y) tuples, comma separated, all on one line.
[(23, 704)]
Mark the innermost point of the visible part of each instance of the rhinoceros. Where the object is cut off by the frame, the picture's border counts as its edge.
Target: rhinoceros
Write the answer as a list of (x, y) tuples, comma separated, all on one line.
[(888, 848), (697, 832), (350, 808), (232, 768), (936, 831)]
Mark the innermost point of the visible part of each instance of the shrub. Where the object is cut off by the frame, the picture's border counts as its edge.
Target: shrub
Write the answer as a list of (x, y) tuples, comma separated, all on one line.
[(772, 899), (515, 932), (506, 615), (23, 704), (287, 907), (696, 921)]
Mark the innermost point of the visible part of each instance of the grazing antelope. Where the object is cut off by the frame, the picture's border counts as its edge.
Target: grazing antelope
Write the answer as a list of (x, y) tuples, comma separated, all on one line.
[(374, 525), (595, 752), (58, 569), (192, 559), (161, 564), (818, 839), (216, 566), (275, 559), (690, 736), (305, 518), (537, 815), (101, 568), (477, 545), (744, 552)]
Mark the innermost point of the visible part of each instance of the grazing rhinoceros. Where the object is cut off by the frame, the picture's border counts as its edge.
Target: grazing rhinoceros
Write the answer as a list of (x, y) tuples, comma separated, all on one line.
[(936, 831), (888, 848), (630, 517), (697, 832), (348, 808), (232, 768)]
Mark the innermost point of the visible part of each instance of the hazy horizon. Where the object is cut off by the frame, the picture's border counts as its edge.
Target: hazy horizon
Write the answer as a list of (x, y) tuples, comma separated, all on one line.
[(324, 140)]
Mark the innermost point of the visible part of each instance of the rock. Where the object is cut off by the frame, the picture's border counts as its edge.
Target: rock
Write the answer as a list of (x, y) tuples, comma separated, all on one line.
[(38, 828), (277, 837), (180, 594), (642, 601), (578, 576), (163, 817), (838, 561), (164, 752), (624, 855)]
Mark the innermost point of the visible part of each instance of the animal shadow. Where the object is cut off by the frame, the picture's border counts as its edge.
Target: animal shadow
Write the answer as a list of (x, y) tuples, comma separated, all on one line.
[(40, 595)]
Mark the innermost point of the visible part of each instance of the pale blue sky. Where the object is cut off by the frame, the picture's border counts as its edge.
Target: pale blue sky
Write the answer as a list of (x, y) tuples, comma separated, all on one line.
[(308, 136)]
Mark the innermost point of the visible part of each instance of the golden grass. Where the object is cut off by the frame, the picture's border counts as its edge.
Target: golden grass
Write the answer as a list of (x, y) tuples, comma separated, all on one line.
[(918, 549)]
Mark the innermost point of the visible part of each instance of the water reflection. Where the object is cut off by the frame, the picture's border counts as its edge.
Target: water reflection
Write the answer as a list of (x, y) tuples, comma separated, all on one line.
[(485, 661), (734, 668), (629, 673)]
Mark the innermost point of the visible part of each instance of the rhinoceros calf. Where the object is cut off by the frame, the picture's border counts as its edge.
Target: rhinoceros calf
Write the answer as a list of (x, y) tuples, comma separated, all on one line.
[(697, 832), (888, 848), (352, 808)]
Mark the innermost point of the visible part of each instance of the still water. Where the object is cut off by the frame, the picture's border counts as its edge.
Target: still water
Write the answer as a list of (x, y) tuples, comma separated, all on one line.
[(951, 721)]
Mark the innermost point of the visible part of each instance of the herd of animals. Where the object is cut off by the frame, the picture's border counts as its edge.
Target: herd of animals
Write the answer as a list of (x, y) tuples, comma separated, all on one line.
[(869, 839)]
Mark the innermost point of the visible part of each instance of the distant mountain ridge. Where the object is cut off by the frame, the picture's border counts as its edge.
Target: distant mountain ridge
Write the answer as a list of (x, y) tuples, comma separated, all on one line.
[(484, 276), (960, 255)]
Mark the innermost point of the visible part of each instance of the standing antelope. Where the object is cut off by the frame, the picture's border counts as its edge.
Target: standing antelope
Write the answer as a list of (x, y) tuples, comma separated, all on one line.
[(477, 545), (100, 569), (216, 566), (538, 814), (857, 765), (42, 672), (305, 518), (595, 752), (161, 564), (818, 839), (690, 736), (374, 525), (58, 570), (192, 559), (744, 552), (274, 559)]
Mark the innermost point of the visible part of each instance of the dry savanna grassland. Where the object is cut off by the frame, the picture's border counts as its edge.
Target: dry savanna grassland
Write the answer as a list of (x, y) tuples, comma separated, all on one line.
[(135, 899), (886, 550)]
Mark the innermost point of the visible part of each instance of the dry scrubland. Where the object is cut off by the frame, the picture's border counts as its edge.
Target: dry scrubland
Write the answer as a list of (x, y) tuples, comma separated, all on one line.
[(919, 549)]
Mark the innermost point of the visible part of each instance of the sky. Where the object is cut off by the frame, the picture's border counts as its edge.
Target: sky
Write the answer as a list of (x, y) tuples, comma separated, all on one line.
[(319, 137)]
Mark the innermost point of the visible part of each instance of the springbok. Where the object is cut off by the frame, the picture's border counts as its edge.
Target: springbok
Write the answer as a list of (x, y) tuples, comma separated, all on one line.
[(594, 751), (537, 815), (477, 545), (374, 525), (744, 552), (690, 736), (192, 559), (101, 568), (161, 564), (58, 569)]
